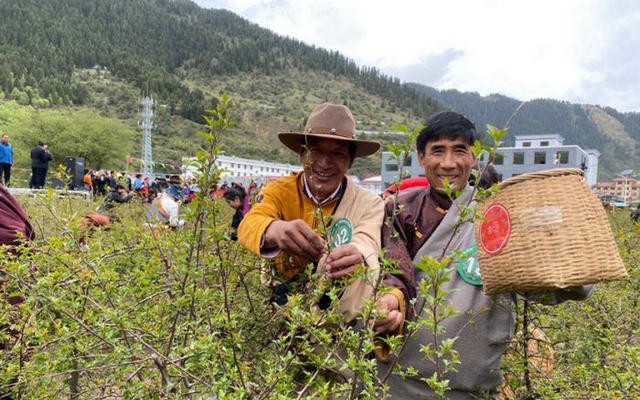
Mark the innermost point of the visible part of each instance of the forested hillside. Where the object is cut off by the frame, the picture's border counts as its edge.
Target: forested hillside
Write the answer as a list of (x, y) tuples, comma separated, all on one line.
[(75, 57), (184, 56), (616, 135)]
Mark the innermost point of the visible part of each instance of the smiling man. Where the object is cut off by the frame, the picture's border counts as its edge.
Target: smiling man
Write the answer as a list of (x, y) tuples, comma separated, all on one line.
[(428, 223), (319, 215)]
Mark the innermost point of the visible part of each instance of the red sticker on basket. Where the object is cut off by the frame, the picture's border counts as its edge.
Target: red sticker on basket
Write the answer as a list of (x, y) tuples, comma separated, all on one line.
[(495, 229)]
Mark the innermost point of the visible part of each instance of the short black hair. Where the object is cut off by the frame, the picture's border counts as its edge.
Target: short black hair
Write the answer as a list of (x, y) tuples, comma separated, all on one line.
[(232, 193), (489, 177), (447, 124)]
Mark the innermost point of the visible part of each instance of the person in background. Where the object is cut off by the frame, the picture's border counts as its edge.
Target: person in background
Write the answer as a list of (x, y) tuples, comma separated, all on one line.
[(138, 184), (251, 190), (635, 215), (165, 207), (101, 182), (113, 180), (128, 182), (293, 217), (88, 180), (40, 158), (105, 216), (489, 177), (235, 198), (119, 195), (425, 223), (6, 159)]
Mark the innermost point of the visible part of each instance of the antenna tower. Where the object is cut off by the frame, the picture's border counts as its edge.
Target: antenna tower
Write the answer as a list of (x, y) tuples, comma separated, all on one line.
[(147, 126)]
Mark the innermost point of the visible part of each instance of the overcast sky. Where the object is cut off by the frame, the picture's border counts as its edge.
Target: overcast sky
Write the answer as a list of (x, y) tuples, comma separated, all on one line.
[(583, 51)]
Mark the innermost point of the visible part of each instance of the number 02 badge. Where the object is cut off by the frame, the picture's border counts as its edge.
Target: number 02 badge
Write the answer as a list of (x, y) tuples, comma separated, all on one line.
[(341, 233)]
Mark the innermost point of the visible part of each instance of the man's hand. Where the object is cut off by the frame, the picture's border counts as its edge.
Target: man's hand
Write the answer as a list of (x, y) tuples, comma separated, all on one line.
[(343, 261), (388, 305), (294, 237)]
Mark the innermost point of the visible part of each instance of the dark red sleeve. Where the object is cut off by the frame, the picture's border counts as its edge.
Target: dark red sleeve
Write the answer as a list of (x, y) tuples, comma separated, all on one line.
[(13, 220), (394, 242)]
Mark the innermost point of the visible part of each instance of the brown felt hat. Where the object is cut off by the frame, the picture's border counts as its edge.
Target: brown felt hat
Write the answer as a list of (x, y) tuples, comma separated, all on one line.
[(329, 121)]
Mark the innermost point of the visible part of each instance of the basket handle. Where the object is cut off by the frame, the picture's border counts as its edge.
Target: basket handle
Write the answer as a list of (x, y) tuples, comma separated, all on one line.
[(540, 175)]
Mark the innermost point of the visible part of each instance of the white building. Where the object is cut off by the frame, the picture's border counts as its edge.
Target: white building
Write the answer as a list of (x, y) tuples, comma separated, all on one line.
[(531, 153), (236, 167)]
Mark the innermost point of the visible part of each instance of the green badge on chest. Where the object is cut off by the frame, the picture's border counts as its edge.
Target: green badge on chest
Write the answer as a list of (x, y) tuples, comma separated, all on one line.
[(468, 267), (341, 233)]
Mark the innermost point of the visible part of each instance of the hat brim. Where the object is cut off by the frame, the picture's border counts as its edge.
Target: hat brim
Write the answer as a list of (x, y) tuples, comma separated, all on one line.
[(295, 140)]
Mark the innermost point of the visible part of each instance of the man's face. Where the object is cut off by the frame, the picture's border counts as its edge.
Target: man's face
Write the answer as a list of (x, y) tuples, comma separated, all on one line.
[(325, 162), (446, 158), (5, 139)]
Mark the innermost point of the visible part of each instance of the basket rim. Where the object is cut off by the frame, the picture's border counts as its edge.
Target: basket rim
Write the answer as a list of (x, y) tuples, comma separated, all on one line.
[(540, 175)]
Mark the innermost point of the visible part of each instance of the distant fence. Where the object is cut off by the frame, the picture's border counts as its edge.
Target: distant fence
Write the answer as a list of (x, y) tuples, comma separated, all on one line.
[(87, 194)]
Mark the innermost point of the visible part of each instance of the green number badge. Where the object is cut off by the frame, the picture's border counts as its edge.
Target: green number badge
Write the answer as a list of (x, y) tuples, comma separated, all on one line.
[(341, 233), (468, 267)]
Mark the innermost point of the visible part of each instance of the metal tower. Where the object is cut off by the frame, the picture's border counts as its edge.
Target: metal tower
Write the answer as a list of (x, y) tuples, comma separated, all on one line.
[(147, 126)]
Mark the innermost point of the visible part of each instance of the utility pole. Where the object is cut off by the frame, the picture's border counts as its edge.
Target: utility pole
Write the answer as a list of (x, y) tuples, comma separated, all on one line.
[(147, 126)]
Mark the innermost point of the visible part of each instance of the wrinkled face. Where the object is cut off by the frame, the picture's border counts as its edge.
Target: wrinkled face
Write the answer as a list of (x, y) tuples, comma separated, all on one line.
[(236, 203), (446, 158), (5, 139), (325, 162)]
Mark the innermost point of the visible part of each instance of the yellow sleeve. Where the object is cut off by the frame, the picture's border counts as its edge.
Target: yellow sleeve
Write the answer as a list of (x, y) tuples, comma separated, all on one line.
[(263, 212)]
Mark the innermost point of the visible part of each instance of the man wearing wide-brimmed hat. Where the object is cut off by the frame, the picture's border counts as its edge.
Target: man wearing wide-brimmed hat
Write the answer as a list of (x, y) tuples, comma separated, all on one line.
[(285, 223)]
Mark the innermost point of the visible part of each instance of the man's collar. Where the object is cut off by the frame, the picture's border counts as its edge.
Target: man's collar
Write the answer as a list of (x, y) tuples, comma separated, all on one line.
[(333, 196)]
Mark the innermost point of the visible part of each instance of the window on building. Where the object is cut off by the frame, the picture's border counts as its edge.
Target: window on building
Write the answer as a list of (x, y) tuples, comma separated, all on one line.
[(499, 159), (391, 167), (544, 143), (526, 144), (563, 157), (408, 160), (540, 157), (518, 158)]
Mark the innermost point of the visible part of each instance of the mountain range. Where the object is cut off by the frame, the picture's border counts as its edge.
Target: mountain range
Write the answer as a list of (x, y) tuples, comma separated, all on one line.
[(61, 56), (616, 135)]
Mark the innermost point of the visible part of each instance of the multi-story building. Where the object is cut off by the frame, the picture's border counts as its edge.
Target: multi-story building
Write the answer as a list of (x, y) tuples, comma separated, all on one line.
[(235, 168), (390, 168), (624, 188), (531, 153)]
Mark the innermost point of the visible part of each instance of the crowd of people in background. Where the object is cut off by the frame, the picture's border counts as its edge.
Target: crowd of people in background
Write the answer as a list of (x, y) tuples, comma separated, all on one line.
[(165, 193)]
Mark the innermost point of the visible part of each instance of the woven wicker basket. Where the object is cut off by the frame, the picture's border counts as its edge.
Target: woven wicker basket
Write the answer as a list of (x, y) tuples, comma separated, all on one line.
[(545, 230)]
